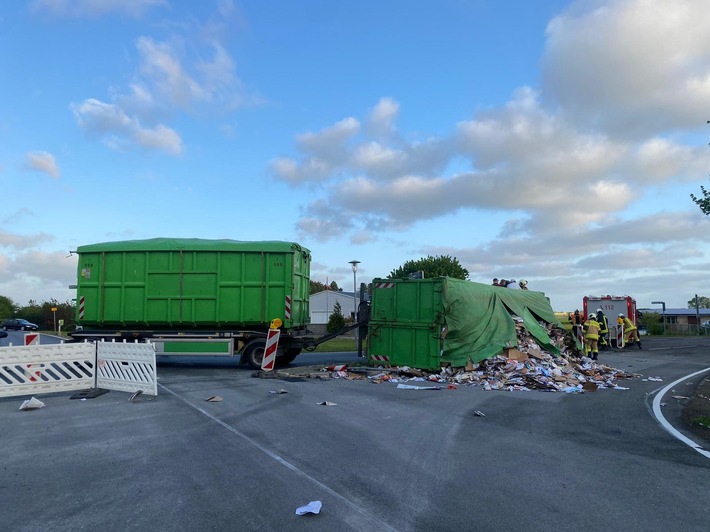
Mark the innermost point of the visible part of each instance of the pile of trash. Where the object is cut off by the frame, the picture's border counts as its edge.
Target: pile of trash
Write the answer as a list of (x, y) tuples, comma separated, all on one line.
[(522, 368)]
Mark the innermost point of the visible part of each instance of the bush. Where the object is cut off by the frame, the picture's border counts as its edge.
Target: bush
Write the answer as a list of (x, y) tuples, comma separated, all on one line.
[(337, 320)]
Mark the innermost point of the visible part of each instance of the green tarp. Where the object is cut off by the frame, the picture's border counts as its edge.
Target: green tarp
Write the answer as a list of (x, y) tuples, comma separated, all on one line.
[(426, 323), (479, 321)]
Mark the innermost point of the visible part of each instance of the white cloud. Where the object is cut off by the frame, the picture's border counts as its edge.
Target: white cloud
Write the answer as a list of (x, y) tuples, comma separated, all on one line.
[(32, 272), (94, 8), (42, 161), (17, 216), (382, 118), (207, 80), (331, 143), (118, 130), (187, 72), (18, 242), (161, 138), (163, 68), (632, 67)]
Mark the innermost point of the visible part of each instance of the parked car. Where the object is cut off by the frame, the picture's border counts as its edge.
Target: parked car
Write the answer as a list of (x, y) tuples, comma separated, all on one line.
[(18, 324)]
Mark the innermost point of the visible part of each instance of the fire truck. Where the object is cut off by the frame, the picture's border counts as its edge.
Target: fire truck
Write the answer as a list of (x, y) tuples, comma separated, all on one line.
[(611, 306)]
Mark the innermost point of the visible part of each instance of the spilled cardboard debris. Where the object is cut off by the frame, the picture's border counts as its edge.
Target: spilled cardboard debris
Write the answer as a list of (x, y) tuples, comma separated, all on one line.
[(526, 366)]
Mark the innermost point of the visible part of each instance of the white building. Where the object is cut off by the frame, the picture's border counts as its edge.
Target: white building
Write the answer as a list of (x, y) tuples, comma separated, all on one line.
[(322, 304)]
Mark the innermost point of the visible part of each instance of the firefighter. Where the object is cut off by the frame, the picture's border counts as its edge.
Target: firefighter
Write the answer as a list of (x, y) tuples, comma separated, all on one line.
[(577, 325), (603, 330), (591, 337), (631, 333)]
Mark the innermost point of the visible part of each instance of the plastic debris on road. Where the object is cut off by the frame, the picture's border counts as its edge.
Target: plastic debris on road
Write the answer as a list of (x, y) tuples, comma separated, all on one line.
[(31, 404), (327, 403), (410, 387), (479, 413), (278, 391), (214, 399), (312, 507), (134, 396)]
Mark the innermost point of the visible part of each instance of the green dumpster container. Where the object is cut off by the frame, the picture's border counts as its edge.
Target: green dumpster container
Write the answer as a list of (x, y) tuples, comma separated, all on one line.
[(429, 323), (189, 283), (406, 321)]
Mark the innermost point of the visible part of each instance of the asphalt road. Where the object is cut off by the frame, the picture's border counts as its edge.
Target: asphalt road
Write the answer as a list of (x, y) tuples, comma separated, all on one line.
[(18, 338), (382, 459)]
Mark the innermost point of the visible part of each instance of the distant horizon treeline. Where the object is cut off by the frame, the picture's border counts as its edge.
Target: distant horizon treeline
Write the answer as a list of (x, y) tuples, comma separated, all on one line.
[(39, 313)]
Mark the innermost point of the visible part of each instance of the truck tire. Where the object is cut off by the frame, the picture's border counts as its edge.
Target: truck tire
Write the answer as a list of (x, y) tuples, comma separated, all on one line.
[(254, 353), (288, 357)]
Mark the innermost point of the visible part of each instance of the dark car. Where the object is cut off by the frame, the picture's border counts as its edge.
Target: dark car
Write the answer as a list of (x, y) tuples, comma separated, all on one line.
[(18, 324), (3, 334)]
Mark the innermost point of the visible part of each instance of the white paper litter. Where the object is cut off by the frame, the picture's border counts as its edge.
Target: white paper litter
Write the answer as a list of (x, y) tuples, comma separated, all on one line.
[(327, 403), (410, 387), (312, 507), (31, 404)]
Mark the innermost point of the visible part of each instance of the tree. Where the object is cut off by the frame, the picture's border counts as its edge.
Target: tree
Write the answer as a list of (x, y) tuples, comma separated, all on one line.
[(8, 308), (443, 265), (337, 320), (652, 322), (704, 202), (703, 302), (317, 286)]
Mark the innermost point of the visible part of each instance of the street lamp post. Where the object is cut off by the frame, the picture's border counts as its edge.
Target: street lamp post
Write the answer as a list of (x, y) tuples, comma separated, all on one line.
[(354, 264), (664, 312)]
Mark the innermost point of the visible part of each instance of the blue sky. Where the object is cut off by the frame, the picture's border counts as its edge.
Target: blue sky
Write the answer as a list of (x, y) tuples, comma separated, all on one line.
[(553, 141)]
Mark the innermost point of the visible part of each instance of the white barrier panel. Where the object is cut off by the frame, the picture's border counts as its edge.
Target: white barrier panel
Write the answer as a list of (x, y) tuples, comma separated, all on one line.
[(25, 370), (126, 367)]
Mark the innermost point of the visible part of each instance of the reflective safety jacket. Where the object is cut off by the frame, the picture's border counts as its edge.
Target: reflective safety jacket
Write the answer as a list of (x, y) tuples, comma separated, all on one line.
[(591, 329), (603, 323), (627, 323)]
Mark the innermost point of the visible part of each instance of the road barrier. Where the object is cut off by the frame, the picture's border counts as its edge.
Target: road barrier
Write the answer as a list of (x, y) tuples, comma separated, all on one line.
[(36, 369)]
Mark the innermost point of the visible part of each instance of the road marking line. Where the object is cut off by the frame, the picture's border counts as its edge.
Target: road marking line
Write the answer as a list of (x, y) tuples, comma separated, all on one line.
[(282, 461), (666, 425)]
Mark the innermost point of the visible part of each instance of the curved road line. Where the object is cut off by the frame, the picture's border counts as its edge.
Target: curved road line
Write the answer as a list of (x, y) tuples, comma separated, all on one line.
[(664, 422)]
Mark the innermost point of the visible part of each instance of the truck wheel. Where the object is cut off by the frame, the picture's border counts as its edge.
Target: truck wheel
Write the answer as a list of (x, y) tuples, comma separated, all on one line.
[(288, 357), (254, 353)]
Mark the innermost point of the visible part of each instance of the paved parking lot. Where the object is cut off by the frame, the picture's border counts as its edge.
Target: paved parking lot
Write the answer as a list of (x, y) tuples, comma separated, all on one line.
[(381, 459)]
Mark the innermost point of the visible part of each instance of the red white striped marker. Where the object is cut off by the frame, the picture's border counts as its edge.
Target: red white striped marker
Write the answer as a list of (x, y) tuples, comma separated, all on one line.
[(81, 308), (272, 344), (287, 308)]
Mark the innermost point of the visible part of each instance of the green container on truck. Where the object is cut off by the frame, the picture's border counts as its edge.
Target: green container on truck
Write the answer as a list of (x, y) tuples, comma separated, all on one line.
[(430, 323), (184, 293)]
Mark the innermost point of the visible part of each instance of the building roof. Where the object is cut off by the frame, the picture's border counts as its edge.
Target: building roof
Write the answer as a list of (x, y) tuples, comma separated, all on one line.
[(678, 311)]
